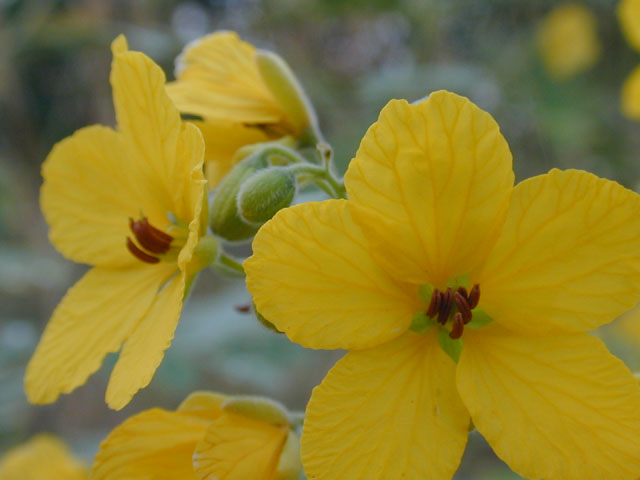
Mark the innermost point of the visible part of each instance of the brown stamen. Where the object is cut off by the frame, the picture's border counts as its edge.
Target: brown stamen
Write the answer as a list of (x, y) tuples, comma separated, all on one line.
[(139, 254), (434, 305), (149, 237), (457, 327), (463, 307), (474, 296), (445, 306), (463, 292)]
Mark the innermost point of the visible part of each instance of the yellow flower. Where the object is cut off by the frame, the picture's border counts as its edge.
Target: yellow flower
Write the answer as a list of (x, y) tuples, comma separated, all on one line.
[(434, 224), (568, 40), (241, 99), (210, 436), (130, 204), (44, 456), (629, 15)]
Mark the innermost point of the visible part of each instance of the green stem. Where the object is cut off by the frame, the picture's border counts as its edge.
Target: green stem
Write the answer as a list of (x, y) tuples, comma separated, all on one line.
[(228, 264), (321, 174)]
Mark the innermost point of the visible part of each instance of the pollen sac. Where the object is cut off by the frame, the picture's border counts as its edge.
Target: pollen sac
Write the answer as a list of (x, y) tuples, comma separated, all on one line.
[(151, 241), (264, 193)]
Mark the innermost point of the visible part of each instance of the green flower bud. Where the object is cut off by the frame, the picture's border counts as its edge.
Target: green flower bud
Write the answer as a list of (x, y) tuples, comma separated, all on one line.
[(264, 193), (286, 89), (224, 219)]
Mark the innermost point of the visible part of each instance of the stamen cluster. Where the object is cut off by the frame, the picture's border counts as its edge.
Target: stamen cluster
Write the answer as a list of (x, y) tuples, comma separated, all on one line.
[(151, 239), (442, 304)]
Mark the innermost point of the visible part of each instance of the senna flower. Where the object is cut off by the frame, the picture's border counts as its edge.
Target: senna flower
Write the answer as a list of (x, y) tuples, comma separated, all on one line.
[(568, 40), (209, 436), (242, 95), (504, 279), (629, 15), (130, 204), (44, 456)]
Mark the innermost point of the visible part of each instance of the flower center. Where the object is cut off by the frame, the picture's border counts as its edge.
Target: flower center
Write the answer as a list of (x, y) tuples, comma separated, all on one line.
[(455, 306), (151, 244)]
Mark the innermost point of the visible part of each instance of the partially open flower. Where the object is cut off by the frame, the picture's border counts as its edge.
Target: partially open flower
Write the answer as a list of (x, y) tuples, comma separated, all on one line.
[(209, 436), (241, 96)]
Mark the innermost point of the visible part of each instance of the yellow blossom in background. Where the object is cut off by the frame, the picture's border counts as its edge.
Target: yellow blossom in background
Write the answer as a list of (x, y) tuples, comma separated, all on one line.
[(629, 15), (42, 457), (501, 281), (568, 40), (209, 436), (130, 204), (241, 101)]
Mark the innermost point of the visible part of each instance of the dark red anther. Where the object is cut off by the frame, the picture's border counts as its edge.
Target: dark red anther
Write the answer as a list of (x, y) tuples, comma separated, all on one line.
[(474, 296), (139, 254), (149, 237), (463, 307), (458, 326), (463, 291), (246, 308), (445, 306), (434, 304)]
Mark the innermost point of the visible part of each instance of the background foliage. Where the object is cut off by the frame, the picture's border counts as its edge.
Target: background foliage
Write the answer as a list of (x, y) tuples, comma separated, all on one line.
[(352, 56)]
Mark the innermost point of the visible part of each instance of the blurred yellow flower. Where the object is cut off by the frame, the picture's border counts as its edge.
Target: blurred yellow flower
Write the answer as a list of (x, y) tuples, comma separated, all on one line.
[(210, 436), (629, 15), (568, 40), (242, 95), (129, 203), (42, 457), (434, 230)]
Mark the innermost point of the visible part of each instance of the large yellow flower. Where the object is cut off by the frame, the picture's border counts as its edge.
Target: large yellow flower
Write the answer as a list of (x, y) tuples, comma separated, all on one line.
[(44, 456), (568, 40), (130, 204), (629, 15), (435, 230), (230, 85), (210, 436)]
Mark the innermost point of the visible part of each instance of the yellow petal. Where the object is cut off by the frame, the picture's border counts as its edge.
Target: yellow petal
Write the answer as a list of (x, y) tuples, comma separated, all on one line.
[(151, 127), (239, 448), (558, 408), (223, 139), (629, 15), (394, 409), (218, 79), (568, 40), (153, 444), (205, 404), (568, 258), (434, 180), (93, 319), (144, 349), (312, 276), (87, 198), (44, 456), (631, 95), (627, 327)]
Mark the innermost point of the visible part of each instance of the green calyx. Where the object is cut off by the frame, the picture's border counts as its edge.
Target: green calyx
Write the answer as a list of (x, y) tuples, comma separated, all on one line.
[(288, 92)]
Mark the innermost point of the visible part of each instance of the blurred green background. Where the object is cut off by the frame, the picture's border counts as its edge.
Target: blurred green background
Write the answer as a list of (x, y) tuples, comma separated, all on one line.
[(352, 56)]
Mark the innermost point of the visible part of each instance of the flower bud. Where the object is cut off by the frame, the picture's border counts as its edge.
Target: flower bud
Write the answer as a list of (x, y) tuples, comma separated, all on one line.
[(264, 193), (224, 219), (286, 89)]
